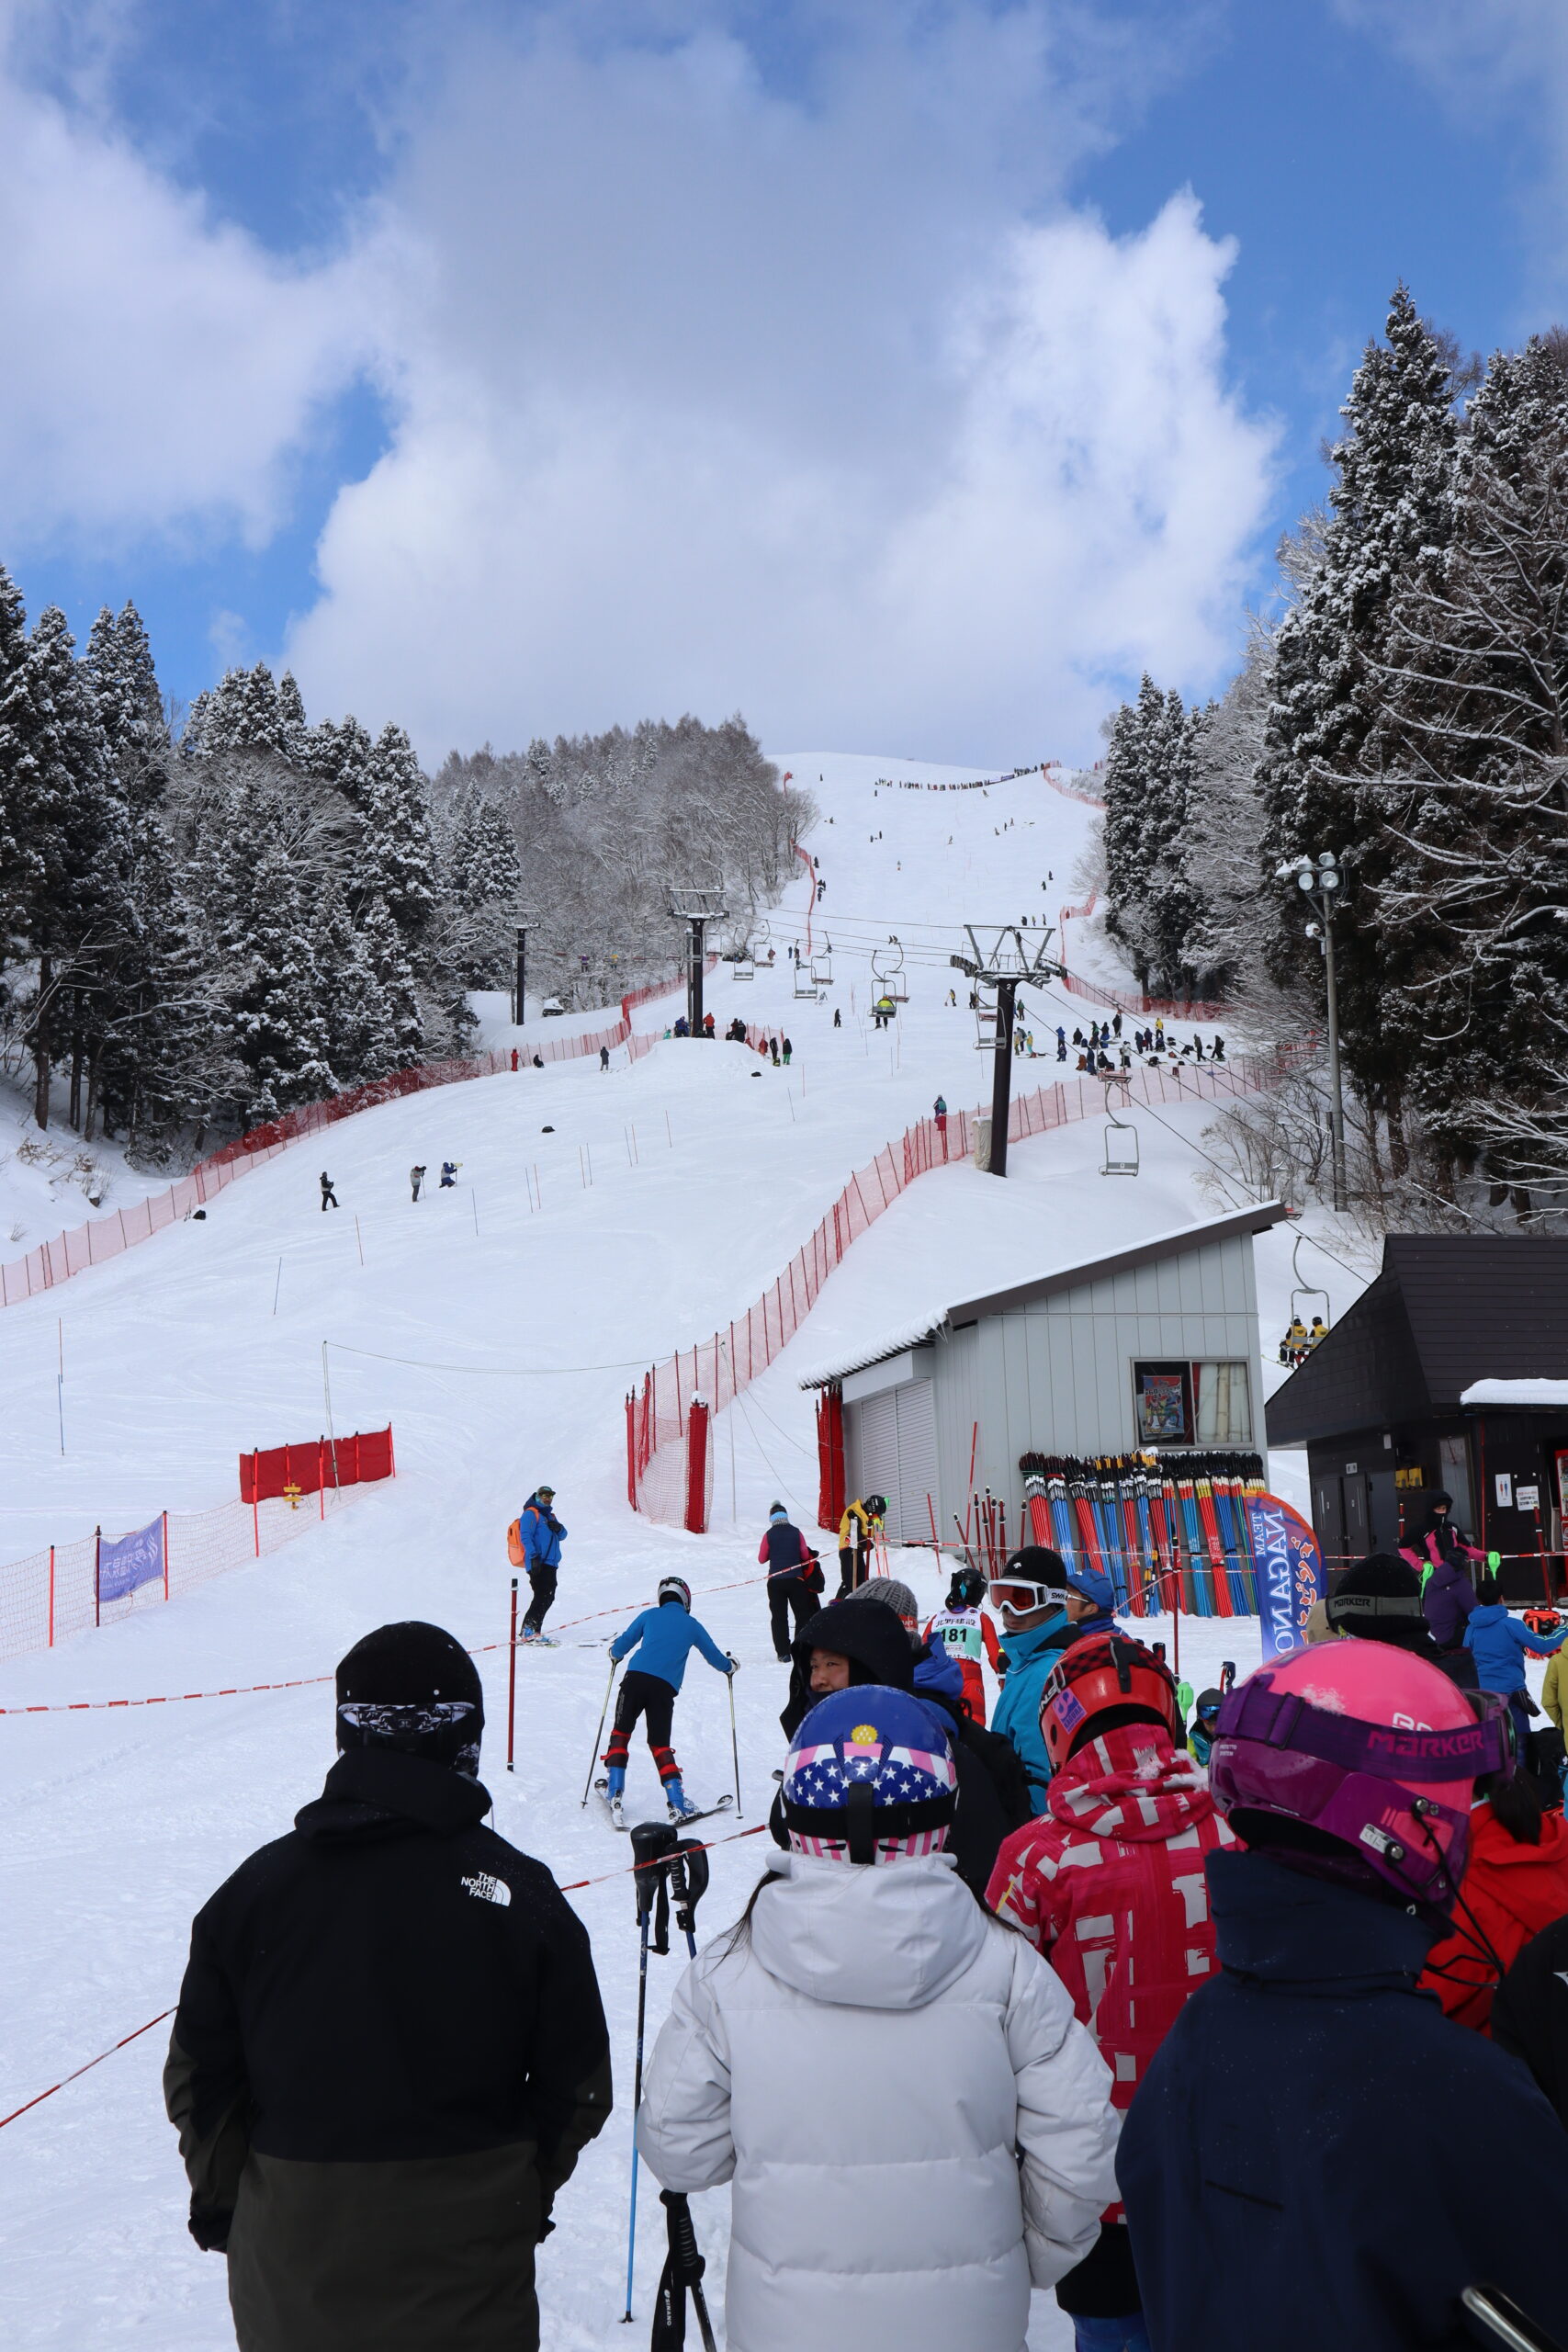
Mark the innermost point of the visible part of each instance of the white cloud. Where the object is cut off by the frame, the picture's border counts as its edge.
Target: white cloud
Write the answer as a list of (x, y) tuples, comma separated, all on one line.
[(711, 399), (159, 370)]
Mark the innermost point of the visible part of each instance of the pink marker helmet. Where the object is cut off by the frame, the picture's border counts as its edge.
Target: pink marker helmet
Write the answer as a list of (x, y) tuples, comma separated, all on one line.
[(1357, 1762)]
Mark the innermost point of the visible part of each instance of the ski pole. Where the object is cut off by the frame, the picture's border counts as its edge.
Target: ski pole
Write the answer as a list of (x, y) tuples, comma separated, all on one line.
[(599, 1733), (637, 2099), (734, 1744)]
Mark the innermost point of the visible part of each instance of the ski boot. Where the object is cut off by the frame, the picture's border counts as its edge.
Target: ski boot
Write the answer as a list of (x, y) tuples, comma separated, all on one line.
[(680, 1804), (535, 1640), (614, 1794)]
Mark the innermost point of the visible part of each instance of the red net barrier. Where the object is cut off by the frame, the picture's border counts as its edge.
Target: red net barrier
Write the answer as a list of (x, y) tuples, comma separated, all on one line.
[(323, 1462), (717, 1369), (53, 1594), (104, 1237)]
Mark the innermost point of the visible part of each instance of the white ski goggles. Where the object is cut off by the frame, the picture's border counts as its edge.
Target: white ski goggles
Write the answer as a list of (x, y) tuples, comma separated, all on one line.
[(1014, 1593)]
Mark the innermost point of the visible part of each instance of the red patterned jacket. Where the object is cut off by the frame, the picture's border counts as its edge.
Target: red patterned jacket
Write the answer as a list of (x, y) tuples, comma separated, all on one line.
[(1109, 1884)]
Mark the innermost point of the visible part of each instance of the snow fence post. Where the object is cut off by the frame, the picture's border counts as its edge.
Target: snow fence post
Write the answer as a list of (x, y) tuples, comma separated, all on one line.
[(166, 1555), (97, 1555), (512, 1681), (696, 1466), (52, 1596)]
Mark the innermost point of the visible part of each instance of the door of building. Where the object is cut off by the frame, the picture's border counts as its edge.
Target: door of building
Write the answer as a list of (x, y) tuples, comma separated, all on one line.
[(1355, 1515)]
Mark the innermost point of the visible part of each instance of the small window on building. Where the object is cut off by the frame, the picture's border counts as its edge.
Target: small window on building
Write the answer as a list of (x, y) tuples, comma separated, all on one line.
[(1204, 1403), (1222, 1405)]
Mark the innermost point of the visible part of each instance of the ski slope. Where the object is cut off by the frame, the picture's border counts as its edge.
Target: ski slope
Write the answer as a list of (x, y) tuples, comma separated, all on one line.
[(500, 1326)]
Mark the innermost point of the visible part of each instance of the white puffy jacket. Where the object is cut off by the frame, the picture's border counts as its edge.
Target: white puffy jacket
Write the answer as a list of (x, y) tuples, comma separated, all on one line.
[(915, 2125)]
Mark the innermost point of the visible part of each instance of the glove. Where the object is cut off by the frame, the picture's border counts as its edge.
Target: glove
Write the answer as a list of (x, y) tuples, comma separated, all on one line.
[(734, 1663), (210, 2227), (1494, 1561)]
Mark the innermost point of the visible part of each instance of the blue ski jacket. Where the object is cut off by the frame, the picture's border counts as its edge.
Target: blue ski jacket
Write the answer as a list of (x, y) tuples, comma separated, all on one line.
[(1030, 1657), (541, 1532), (937, 1669), (1293, 2164), (664, 1638), (1498, 1642)]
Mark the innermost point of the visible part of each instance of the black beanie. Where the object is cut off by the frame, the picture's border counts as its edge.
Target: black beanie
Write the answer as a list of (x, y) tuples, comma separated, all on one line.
[(412, 1687), (1380, 1598)]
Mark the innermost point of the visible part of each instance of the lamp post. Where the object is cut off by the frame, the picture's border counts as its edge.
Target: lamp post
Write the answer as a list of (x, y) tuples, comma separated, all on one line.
[(1320, 879)]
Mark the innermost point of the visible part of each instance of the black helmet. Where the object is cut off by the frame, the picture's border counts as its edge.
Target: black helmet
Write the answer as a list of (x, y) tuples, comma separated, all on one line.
[(1208, 1704), (967, 1588)]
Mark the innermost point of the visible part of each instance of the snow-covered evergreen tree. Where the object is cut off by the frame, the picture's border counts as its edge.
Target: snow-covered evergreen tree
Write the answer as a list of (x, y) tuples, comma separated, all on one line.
[(278, 1026), (362, 1029), (249, 710), (118, 663), (22, 731), (384, 953), (398, 862)]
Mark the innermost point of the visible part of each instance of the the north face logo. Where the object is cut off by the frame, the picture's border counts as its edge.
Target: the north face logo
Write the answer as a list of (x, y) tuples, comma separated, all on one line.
[(487, 1889)]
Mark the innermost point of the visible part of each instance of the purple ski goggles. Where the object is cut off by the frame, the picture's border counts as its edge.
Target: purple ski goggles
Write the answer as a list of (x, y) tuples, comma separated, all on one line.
[(1369, 1786)]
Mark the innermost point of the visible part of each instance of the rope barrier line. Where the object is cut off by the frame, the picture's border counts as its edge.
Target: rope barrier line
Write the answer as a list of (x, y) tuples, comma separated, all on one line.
[(312, 1681), (573, 1886), (59, 2086)]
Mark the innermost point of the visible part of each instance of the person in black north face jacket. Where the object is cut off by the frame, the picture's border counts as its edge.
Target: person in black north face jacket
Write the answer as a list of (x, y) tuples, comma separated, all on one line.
[(389, 2050)]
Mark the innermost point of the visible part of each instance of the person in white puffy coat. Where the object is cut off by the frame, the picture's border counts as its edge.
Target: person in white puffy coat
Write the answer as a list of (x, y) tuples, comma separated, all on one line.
[(916, 2127)]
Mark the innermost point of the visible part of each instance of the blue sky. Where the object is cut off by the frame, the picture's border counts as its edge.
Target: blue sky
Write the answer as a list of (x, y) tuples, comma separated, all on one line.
[(906, 375)]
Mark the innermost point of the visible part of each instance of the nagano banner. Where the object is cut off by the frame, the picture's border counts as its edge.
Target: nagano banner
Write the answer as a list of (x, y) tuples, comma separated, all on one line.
[(1289, 1563), (125, 1562)]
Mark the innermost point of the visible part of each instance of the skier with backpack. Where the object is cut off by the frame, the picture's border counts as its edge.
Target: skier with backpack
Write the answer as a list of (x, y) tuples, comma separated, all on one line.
[(794, 1578), (1308, 2096), (1107, 1885), (962, 1627), (533, 1542), (663, 1637)]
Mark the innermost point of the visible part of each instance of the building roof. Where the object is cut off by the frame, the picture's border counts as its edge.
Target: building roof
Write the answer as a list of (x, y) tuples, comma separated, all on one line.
[(1449, 1314), (1093, 1270)]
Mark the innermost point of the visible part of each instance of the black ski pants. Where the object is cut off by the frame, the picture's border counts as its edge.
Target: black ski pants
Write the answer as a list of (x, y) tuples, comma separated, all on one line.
[(651, 1698), (853, 1570), (544, 1583), (786, 1593)]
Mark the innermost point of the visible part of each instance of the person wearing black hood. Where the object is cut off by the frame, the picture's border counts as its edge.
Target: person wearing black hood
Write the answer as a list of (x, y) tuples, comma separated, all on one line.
[(1379, 1599), (389, 2050), (863, 1640)]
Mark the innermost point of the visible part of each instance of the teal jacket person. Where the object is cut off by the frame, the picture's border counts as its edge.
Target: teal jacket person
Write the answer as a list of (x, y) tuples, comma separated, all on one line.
[(1030, 1657)]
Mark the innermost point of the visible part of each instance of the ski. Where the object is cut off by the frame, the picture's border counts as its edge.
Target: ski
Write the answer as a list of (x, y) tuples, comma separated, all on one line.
[(702, 1812)]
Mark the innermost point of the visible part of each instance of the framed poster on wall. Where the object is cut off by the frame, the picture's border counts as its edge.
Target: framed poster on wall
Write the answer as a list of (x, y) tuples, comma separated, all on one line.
[(1162, 1398)]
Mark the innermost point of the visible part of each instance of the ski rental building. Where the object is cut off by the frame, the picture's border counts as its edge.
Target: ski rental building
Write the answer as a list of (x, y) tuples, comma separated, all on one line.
[(1155, 1349)]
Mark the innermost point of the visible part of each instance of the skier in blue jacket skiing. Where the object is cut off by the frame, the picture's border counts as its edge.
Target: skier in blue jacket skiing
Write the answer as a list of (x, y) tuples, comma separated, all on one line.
[(663, 1638)]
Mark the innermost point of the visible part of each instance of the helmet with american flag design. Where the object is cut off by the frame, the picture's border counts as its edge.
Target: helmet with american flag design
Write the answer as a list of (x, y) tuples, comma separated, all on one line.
[(870, 1778)]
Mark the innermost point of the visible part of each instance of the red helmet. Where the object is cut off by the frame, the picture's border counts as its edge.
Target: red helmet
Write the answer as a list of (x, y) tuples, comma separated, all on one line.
[(1103, 1677)]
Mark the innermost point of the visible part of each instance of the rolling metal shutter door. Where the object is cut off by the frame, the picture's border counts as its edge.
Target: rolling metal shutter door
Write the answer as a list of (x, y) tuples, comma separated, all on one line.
[(909, 1515), (877, 1445)]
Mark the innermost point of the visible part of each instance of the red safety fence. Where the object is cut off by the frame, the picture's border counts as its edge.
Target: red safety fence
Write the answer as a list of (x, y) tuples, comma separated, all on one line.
[(104, 1237), (55, 1593), (719, 1368), (323, 1462)]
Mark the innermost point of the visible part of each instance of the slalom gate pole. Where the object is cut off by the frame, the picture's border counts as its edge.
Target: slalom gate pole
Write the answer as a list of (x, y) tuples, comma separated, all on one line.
[(512, 1680), (599, 1733), (652, 1845), (734, 1748)]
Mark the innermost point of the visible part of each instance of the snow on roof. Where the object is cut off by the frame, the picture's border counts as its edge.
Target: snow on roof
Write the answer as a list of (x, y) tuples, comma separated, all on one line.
[(1516, 1392), (890, 1343)]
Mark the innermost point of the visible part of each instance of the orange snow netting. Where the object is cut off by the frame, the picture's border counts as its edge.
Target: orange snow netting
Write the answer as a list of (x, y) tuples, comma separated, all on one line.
[(323, 1462), (717, 1369)]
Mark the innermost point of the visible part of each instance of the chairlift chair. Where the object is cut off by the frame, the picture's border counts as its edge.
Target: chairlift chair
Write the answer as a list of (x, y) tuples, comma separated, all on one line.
[(805, 985), (887, 969), (1120, 1156), (822, 971), (986, 1025), (744, 966), (1301, 1289)]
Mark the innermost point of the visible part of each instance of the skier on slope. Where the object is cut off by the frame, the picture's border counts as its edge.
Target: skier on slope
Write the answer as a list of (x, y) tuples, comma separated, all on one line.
[(449, 1173), (604, 1057), (858, 1531), (540, 1535), (792, 1583), (416, 1178), (1308, 2096), (917, 2128), (329, 1198), (1108, 1886), (962, 1627), (389, 2050), (663, 1637)]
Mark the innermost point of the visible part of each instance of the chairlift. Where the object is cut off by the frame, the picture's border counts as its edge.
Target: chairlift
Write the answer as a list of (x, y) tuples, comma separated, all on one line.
[(1120, 1152), (744, 967), (887, 970), (1293, 1351), (985, 1024), (822, 970), (805, 985)]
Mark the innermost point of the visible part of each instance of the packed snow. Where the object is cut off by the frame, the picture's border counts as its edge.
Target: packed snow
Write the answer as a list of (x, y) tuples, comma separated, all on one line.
[(599, 1220)]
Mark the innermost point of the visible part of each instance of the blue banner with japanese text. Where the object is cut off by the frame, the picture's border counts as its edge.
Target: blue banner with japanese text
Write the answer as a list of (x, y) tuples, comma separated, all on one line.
[(1289, 1564), (125, 1562)]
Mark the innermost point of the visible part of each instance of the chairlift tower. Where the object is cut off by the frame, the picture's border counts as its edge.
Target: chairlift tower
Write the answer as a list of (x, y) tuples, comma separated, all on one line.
[(1004, 966), (525, 919), (696, 908)]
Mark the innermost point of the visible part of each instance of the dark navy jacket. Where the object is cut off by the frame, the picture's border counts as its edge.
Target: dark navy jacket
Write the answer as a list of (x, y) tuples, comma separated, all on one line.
[(1318, 2157)]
